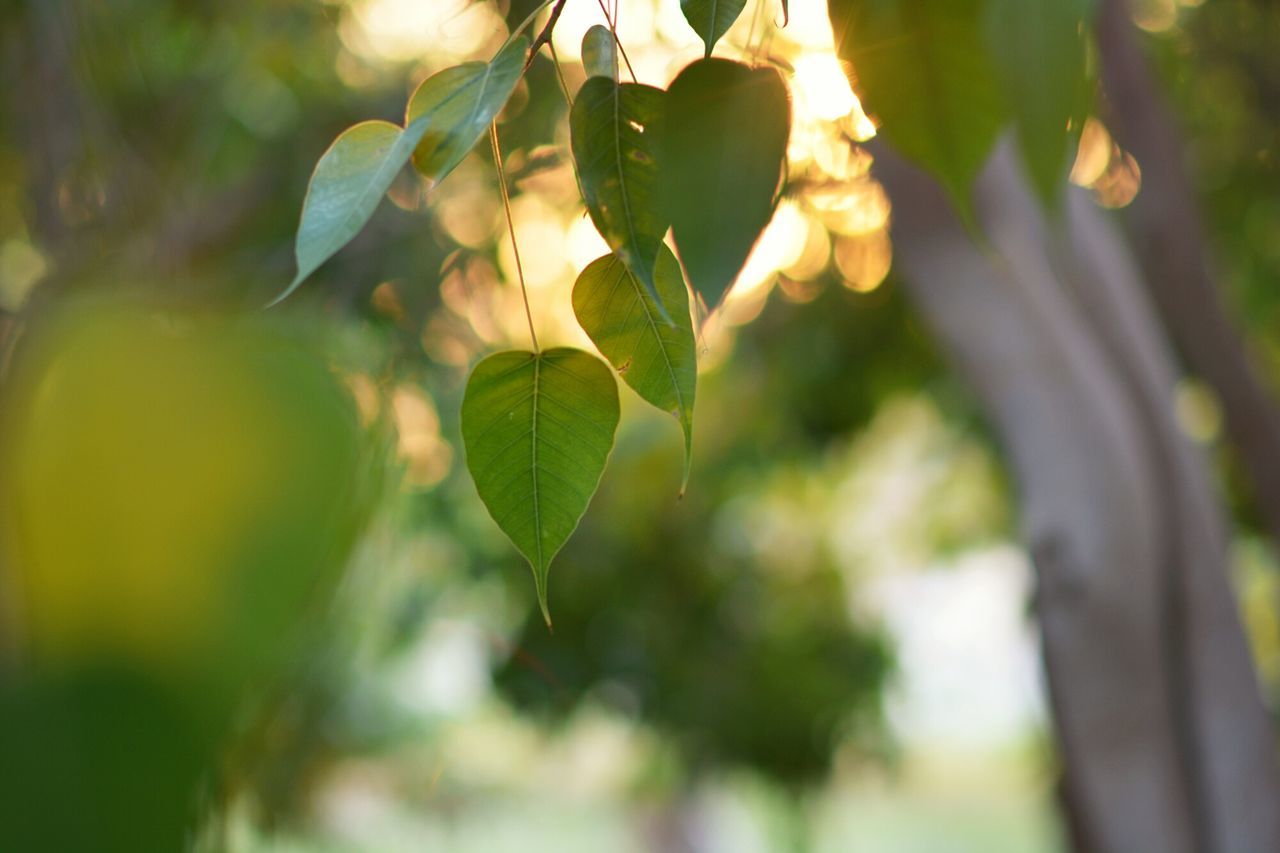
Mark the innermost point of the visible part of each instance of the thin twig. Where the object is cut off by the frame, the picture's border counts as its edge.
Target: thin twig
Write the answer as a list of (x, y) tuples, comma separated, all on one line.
[(511, 228), (544, 37), (537, 10), (568, 99)]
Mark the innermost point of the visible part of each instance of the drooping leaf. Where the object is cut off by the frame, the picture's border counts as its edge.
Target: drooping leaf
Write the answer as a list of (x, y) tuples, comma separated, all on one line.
[(657, 359), (711, 19), (459, 103), (1040, 52), (920, 66), (348, 183), (616, 132), (725, 146), (600, 53), (538, 428)]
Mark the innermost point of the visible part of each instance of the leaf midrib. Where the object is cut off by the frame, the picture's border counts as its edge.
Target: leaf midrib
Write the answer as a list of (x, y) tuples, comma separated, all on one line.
[(537, 508), (653, 326), (475, 110), (711, 30), (622, 183), (401, 133)]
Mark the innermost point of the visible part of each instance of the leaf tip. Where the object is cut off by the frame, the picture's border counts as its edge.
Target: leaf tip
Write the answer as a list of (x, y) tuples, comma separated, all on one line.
[(540, 587), (288, 291), (686, 426)]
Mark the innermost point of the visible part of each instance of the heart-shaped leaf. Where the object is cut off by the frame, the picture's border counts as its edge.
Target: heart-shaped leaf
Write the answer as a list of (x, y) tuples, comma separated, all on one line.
[(919, 66), (657, 359), (538, 428), (459, 103), (600, 53), (615, 131), (723, 157), (711, 19), (1040, 48), (348, 183)]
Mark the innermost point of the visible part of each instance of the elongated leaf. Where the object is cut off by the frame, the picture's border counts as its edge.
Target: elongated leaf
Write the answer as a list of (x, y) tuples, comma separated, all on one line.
[(538, 429), (348, 183), (1040, 48), (919, 65), (726, 143), (600, 53), (711, 19), (459, 103), (616, 132), (657, 359)]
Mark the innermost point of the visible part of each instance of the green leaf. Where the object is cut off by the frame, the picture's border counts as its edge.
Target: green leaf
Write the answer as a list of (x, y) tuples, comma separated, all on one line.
[(348, 183), (538, 428), (1040, 52), (600, 53), (657, 359), (615, 130), (725, 148), (459, 103), (711, 19), (920, 66)]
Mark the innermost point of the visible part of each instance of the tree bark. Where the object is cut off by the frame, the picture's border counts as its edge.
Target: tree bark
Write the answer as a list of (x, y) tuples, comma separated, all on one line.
[(1169, 241), (1164, 737)]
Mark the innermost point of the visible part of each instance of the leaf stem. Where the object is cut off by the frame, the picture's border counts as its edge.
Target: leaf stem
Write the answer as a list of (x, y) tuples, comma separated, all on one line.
[(612, 21), (511, 228), (564, 86), (568, 99)]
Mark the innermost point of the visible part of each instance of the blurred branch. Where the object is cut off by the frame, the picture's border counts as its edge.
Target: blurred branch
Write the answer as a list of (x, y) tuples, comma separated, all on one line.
[(1170, 244), (135, 225)]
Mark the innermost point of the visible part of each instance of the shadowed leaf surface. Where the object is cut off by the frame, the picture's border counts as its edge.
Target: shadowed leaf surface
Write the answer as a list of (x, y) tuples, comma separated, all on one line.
[(919, 66), (658, 360), (616, 131), (459, 103), (711, 19), (726, 142), (1039, 47), (538, 429)]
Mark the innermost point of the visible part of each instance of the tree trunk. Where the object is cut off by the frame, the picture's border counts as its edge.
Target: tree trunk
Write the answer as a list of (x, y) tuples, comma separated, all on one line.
[(1170, 246), (1164, 737)]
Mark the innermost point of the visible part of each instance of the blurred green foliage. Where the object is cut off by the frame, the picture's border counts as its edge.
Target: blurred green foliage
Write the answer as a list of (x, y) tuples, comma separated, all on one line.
[(178, 493)]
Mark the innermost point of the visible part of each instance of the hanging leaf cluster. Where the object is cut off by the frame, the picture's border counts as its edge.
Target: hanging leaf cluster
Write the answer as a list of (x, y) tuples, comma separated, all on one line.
[(702, 160), (945, 77)]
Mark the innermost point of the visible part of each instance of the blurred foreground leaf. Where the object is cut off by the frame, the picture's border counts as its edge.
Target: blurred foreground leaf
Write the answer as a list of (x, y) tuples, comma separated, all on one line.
[(1039, 48), (177, 494), (921, 67)]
